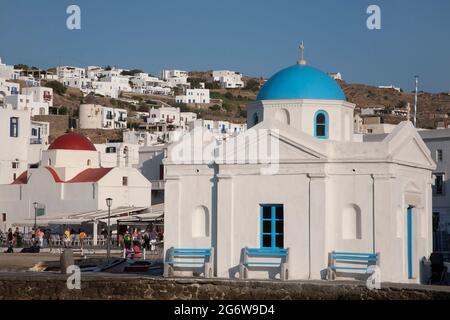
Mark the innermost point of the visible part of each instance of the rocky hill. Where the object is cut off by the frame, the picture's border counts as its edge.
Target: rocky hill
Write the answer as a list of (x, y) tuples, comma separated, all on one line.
[(231, 103)]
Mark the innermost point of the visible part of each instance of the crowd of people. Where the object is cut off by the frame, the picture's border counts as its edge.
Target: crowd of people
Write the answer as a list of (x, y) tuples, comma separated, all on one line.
[(133, 240)]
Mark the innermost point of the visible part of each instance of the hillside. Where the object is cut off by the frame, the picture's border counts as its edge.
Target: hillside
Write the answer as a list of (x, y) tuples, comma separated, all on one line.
[(231, 103)]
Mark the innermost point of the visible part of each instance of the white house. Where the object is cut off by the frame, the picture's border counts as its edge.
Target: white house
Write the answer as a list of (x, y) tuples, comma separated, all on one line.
[(227, 79), (36, 100), (67, 72), (175, 78), (297, 179), (8, 88), (336, 75), (194, 96), (94, 116), (8, 72), (117, 154), (70, 181), (438, 141), (164, 115), (14, 136), (398, 89), (22, 141)]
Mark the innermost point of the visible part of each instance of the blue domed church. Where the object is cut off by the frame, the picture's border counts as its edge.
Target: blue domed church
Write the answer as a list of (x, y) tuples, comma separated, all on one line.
[(299, 195)]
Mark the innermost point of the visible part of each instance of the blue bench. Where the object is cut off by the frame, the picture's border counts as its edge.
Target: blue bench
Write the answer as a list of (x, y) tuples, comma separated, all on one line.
[(351, 261), (202, 257), (265, 257)]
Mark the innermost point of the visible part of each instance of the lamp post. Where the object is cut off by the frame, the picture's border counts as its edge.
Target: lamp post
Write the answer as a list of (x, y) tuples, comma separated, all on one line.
[(108, 245), (35, 205)]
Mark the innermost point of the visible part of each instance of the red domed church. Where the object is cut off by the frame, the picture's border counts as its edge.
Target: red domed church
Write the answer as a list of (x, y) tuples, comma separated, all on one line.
[(70, 181)]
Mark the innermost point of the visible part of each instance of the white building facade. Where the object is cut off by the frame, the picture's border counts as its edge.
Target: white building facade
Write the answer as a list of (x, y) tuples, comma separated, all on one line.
[(316, 192), (227, 79), (197, 96)]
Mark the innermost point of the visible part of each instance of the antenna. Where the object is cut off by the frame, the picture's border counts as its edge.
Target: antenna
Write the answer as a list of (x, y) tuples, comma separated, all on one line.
[(415, 100)]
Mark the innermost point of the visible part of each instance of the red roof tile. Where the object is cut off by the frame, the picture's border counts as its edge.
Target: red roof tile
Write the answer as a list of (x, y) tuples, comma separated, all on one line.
[(90, 175), (22, 179)]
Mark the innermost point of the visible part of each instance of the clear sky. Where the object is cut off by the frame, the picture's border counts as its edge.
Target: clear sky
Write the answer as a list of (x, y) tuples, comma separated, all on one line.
[(256, 37)]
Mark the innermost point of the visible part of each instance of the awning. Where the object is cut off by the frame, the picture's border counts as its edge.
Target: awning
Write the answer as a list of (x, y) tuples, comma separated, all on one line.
[(91, 216)]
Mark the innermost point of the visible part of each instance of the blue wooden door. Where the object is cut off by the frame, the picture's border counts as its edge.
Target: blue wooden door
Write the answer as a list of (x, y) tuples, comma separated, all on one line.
[(409, 241)]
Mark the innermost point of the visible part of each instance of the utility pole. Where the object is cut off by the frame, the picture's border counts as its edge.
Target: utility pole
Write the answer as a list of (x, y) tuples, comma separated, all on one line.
[(415, 100)]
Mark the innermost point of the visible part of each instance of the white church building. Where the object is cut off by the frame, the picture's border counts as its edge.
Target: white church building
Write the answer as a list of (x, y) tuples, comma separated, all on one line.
[(323, 190), (70, 180)]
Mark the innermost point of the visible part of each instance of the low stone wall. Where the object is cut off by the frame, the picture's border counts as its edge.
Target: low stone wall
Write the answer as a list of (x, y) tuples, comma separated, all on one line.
[(19, 286)]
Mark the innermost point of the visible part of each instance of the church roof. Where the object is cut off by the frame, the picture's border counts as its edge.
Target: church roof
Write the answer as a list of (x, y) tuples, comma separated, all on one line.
[(90, 175), (72, 141), (301, 81), (22, 179)]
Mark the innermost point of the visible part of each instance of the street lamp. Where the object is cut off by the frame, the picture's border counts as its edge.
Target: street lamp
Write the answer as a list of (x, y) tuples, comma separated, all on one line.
[(35, 205), (108, 245)]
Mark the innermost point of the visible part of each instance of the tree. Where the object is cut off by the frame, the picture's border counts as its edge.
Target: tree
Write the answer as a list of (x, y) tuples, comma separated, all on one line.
[(252, 85), (131, 72), (62, 110), (57, 87)]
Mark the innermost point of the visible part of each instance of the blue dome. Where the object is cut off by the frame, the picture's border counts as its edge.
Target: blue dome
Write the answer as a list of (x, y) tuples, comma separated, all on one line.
[(301, 82)]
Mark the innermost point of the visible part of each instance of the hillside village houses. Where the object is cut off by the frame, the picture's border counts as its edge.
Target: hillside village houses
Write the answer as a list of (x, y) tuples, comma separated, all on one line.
[(227, 79), (176, 78), (194, 96), (94, 116), (298, 179)]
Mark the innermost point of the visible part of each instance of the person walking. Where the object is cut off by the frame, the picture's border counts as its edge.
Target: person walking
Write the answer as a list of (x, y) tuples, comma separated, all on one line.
[(83, 236), (18, 237), (67, 238), (10, 238)]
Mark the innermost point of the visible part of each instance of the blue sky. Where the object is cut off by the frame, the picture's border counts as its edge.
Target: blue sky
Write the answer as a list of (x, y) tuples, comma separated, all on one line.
[(255, 37)]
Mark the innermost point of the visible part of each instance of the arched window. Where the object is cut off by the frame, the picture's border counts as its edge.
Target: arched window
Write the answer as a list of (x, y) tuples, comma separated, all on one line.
[(200, 222), (321, 124), (282, 115), (255, 119), (351, 222)]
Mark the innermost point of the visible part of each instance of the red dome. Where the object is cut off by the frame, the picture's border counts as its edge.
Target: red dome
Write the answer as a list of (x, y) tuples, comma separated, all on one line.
[(72, 141)]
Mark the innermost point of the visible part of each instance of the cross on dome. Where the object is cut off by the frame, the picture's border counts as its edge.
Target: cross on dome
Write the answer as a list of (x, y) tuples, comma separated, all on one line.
[(302, 61)]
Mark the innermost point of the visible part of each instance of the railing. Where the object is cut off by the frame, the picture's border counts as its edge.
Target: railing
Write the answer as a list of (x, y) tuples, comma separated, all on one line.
[(155, 250), (35, 141), (157, 184)]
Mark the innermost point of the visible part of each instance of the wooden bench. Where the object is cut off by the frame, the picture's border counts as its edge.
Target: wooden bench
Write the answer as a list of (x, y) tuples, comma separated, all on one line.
[(190, 257), (357, 261), (261, 255)]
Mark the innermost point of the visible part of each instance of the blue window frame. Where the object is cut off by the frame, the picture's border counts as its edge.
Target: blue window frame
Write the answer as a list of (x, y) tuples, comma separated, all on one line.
[(272, 226), (321, 124), (14, 127)]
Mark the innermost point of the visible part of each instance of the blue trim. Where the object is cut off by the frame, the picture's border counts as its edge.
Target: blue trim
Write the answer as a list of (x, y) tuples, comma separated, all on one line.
[(273, 220), (409, 240), (326, 124)]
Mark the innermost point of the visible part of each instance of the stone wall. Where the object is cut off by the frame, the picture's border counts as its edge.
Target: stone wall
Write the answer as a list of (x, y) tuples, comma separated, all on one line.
[(109, 286)]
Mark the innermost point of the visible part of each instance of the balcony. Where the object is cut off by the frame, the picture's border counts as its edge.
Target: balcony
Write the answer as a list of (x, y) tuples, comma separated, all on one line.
[(35, 141), (157, 184)]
